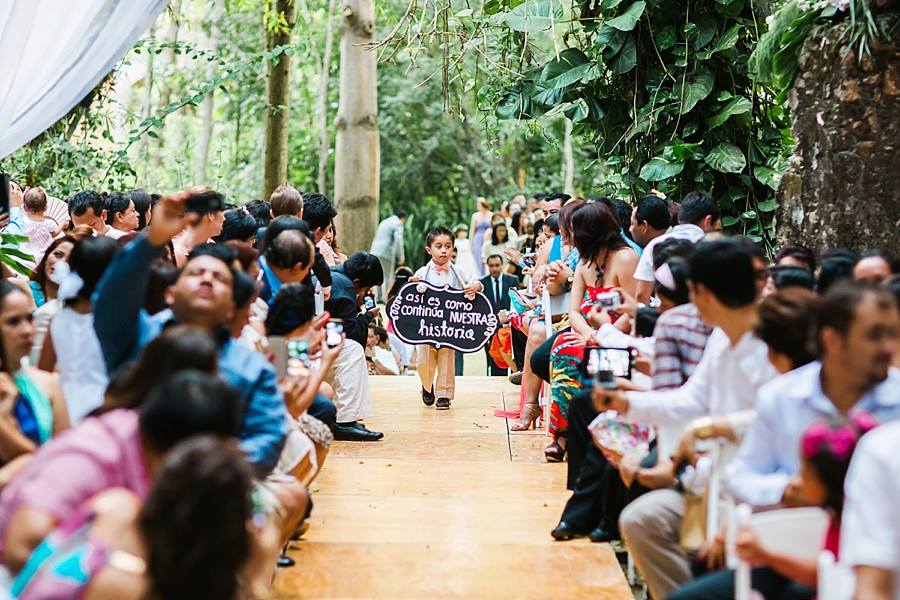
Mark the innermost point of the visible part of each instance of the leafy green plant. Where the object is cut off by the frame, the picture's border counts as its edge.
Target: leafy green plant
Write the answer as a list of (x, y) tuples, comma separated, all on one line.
[(665, 92), (11, 254)]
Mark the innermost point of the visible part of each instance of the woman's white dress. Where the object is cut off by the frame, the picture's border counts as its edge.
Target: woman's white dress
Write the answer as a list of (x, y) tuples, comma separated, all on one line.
[(465, 260)]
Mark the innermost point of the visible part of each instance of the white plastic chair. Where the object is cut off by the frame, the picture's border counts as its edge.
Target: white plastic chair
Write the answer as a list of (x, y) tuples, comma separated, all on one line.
[(835, 580), (798, 532)]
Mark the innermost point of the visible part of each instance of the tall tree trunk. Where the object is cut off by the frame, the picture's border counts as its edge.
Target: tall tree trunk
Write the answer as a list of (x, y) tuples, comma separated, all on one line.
[(170, 60), (206, 109), (323, 99), (278, 84), (568, 161), (357, 150)]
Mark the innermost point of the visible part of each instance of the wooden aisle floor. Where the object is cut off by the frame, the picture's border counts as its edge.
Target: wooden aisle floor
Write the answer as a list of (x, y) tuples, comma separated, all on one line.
[(449, 505)]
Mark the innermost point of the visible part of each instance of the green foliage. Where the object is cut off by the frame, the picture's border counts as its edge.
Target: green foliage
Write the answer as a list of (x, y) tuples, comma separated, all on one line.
[(776, 57), (12, 256)]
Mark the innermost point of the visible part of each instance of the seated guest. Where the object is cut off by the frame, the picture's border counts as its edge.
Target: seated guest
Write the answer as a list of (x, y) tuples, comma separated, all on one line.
[(291, 316), (200, 230), (120, 449), (600, 491), (351, 282), (380, 360), (826, 447), (239, 225), (607, 264), (202, 296), (795, 255), (649, 220), (190, 537), (38, 228), (556, 264), (869, 535), (71, 346), (143, 205), (873, 267), (852, 376), (697, 216), (121, 215), (30, 399), (723, 387), (43, 288), (319, 214), (786, 276), (289, 257), (320, 272), (88, 207), (836, 265)]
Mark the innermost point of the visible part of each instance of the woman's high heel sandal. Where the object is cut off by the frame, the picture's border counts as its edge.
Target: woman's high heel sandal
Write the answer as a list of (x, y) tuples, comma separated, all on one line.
[(528, 418), (555, 452)]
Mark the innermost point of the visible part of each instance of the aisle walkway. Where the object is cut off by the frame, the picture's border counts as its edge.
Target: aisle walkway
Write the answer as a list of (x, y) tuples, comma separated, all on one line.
[(449, 505)]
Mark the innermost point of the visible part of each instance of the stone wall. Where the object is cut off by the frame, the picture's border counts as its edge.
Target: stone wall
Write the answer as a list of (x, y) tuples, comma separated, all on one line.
[(843, 184)]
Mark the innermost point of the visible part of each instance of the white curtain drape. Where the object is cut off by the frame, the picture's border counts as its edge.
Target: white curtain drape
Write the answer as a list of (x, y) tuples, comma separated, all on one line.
[(53, 52)]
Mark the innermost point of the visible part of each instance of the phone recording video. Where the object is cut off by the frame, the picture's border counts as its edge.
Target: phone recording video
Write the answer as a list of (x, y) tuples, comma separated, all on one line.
[(334, 333), (609, 299), (606, 364)]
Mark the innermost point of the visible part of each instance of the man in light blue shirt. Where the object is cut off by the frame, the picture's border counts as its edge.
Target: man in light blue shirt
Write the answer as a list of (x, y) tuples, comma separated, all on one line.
[(859, 329)]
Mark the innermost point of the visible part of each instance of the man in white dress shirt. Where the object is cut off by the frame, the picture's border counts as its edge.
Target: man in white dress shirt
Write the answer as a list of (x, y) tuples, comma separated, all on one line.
[(388, 247), (719, 396)]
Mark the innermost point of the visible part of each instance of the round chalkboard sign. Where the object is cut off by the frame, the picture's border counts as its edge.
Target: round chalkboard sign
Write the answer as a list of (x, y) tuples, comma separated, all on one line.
[(422, 313)]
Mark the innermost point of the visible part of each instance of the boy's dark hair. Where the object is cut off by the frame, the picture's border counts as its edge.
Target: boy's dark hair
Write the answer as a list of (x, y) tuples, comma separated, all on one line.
[(652, 210), (789, 276), (260, 210), (116, 203), (725, 268), (294, 305), (401, 214), (288, 249), (436, 233), (696, 206), (80, 202), (238, 225), (799, 253), (317, 211), (186, 404), (836, 265), (645, 321), (364, 269), (563, 198), (245, 287)]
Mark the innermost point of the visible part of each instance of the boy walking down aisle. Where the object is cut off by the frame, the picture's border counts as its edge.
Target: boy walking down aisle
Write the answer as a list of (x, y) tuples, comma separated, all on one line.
[(437, 365)]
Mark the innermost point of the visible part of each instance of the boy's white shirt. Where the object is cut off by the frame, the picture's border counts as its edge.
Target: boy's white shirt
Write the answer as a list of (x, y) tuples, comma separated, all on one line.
[(452, 277)]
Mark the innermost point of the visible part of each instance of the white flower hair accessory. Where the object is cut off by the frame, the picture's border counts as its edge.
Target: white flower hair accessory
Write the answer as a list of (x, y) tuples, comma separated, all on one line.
[(70, 282)]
